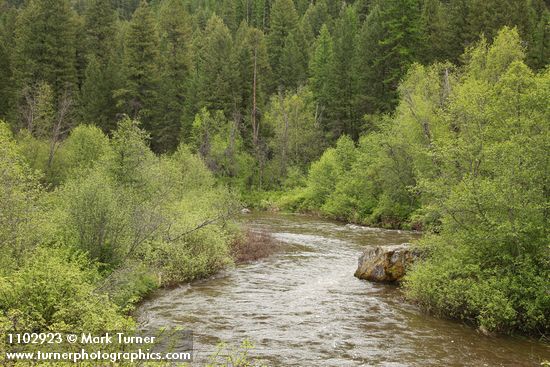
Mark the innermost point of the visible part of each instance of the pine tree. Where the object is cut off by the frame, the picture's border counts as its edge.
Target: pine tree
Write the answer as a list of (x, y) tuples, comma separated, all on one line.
[(539, 49), (139, 96), (316, 16), (176, 35), (293, 62), (7, 20), (283, 22), (388, 43), (435, 27), (100, 27), (321, 81), (214, 74), (45, 46), (253, 73), (343, 113), (97, 102), (5, 81), (101, 76)]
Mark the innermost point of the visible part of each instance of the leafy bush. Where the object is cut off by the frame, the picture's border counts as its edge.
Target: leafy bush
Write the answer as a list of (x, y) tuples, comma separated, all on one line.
[(54, 290), (490, 263), (120, 222), (20, 208)]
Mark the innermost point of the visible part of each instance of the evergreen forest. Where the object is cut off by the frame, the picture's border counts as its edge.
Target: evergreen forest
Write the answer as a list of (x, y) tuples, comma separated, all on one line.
[(133, 132)]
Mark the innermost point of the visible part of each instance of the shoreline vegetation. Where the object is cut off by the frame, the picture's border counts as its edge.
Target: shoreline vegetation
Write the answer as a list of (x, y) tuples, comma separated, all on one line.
[(119, 224), (463, 159), (132, 131)]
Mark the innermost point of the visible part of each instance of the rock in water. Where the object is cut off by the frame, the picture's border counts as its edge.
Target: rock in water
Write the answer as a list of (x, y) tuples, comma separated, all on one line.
[(386, 263)]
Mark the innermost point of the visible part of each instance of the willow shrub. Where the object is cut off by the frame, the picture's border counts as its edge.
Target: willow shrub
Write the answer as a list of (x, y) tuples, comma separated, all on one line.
[(490, 264), (120, 222)]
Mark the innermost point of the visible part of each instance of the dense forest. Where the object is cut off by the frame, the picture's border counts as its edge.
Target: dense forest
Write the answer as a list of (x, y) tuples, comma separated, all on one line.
[(132, 131)]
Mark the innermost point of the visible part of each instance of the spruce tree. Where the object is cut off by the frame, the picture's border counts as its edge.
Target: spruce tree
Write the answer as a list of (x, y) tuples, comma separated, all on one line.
[(5, 81), (97, 102), (139, 96), (539, 49), (101, 76), (100, 26), (390, 40), (293, 62), (321, 80), (213, 72), (175, 37), (343, 113), (253, 73), (283, 22), (435, 27), (45, 46), (7, 21)]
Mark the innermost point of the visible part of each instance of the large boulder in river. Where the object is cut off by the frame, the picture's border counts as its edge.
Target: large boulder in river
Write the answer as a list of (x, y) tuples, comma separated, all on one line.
[(386, 263)]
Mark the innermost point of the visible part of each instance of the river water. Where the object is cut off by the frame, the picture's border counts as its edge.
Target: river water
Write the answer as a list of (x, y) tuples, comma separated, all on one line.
[(303, 307)]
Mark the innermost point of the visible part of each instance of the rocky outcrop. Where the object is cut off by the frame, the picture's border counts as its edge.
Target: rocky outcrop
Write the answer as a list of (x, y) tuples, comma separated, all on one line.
[(386, 263)]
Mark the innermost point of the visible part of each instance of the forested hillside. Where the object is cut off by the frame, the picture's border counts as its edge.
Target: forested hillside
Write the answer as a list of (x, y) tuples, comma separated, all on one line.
[(130, 131), (258, 87)]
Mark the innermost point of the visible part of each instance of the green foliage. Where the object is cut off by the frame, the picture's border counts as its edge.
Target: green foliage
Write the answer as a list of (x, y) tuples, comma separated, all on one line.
[(140, 92), (163, 61), (54, 290), (321, 74), (388, 43), (19, 192), (175, 39), (45, 56), (121, 222), (84, 148), (282, 40), (94, 218), (490, 262), (220, 145), (213, 84), (259, 89), (291, 118)]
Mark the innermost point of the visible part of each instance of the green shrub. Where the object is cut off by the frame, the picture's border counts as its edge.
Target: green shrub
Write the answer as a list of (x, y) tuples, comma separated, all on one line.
[(85, 146), (54, 290)]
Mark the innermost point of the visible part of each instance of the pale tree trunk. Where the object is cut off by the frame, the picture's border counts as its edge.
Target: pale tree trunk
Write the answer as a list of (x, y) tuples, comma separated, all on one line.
[(61, 124), (285, 135), (255, 122)]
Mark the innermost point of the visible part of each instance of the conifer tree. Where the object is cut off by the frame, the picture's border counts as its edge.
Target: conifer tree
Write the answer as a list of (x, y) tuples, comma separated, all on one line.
[(293, 67), (253, 72), (213, 72), (175, 36), (45, 46), (388, 43), (101, 76), (321, 69), (343, 112), (139, 96), (539, 49), (100, 27), (435, 25), (8, 16), (97, 102), (5, 81), (283, 22)]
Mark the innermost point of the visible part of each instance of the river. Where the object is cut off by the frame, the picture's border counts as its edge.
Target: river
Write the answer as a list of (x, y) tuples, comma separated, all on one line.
[(303, 307)]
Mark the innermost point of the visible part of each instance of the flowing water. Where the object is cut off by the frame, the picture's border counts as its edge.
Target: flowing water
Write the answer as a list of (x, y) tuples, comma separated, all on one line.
[(303, 307)]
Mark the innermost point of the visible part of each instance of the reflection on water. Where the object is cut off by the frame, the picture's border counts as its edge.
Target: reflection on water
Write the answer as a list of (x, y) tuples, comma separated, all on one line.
[(304, 307)]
